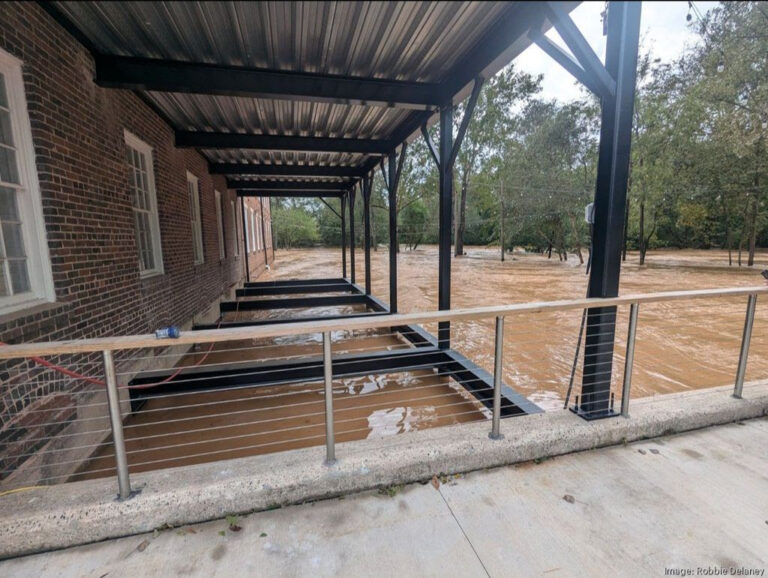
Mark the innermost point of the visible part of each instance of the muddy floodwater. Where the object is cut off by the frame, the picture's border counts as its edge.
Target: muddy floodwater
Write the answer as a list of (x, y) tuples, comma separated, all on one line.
[(681, 345)]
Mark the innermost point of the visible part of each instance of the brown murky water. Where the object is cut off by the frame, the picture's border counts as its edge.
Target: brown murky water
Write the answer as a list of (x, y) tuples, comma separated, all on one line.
[(680, 346)]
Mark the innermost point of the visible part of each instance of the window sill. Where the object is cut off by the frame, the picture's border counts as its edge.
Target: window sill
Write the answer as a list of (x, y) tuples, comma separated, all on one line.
[(151, 275), (29, 309)]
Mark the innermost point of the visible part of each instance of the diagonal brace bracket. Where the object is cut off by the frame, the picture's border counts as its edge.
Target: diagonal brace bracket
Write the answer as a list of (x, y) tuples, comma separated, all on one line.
[(585, 65)]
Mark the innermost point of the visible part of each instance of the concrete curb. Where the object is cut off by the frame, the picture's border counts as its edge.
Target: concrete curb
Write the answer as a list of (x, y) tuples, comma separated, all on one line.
[(83, 512)]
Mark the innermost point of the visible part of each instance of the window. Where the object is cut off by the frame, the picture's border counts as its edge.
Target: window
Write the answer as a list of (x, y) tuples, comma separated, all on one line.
[(220, 225), (253, 229), (247, 231), (25, 269), (194, 215), (139, 156), (235, 229)]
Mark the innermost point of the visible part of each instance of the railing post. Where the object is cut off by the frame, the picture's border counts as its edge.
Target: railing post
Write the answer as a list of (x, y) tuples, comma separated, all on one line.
[(116, 420), (745, 339), (497, 369), (630, 359), (330, 451)]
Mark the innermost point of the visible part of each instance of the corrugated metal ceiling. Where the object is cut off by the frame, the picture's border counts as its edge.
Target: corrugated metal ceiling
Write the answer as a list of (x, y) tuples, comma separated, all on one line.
[(411, 41)]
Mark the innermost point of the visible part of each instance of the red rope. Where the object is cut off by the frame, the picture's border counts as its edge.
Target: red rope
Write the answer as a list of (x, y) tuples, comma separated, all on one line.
[(75, 375)]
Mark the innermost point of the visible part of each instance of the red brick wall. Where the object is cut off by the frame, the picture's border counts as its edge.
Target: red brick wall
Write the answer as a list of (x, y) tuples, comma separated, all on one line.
[(259, 258), (77, 130)]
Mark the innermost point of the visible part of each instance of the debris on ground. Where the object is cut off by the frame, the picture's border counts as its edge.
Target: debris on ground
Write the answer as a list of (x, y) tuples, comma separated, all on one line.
[(143, 546), (435, 482), (569, 498)]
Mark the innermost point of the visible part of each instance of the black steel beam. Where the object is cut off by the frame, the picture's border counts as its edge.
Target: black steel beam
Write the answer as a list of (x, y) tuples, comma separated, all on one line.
[(295, 290), (352, 193), (292, 303), (623, 31), (285, 193), (264, 374), (226, 140), (320, 171), (344, 236), (296, 282), (445, 216), (197, 78), (367, 185), (223, 324), (256, 185)]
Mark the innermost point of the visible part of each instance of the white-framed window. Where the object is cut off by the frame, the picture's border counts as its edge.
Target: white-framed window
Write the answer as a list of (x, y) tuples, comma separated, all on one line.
[(193, 187), (25, 265), (220, 226), (145, 215), (235, 229), (247, 230), (259, 238), (253, 229)]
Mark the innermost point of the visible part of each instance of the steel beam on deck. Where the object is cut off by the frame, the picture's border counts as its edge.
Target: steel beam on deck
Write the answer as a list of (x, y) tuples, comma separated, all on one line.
[(295, 289), (233, 140), (298, 282), (197, 78), (309, 319), (623, 29), (293, 303)]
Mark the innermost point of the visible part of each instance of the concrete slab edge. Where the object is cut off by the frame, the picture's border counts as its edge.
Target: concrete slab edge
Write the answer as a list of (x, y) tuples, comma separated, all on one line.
[(83, 512)]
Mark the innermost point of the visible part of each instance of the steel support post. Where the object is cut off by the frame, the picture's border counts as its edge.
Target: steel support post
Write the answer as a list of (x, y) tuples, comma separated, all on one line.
[(446, 216), (245, 240), (745, 340), (116, 422), (498, 367), (629, 360), (263, 232), (343, 237), (330, 440), (393, 174), (623, 27), (352, 235), (367, 182)]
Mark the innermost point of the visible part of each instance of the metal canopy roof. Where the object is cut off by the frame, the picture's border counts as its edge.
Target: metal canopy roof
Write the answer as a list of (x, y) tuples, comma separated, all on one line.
[(299, 89)]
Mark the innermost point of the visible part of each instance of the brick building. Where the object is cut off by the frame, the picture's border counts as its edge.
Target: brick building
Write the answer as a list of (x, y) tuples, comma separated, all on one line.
[(107, 227)]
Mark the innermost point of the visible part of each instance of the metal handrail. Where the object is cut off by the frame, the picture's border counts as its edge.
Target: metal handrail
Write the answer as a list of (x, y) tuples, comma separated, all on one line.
[(108, 345), (303, 327)]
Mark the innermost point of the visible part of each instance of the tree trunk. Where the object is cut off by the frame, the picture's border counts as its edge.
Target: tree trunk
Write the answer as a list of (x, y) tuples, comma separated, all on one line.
[(461, 221), (501, 223), (641, 232), (726, 218), (626, 232)]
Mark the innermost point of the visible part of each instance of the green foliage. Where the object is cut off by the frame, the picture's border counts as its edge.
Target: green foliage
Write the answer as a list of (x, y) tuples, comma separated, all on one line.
[(527, 166)]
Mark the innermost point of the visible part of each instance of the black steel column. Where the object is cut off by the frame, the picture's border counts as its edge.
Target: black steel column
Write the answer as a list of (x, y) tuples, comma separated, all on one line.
[(263, 232), (367, 182), (343, 237), (446, 215), (352, 235), (245, 241), (393, 177), (623, 28)]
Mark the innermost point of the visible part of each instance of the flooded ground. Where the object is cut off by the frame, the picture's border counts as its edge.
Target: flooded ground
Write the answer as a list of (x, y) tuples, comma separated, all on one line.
[(680, 346)]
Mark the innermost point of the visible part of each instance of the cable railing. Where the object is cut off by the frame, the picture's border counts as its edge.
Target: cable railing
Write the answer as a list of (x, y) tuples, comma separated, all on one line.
[(246, 390)]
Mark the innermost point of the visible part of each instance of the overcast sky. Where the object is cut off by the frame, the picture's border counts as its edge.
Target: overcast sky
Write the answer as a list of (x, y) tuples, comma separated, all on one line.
[(663, 29)]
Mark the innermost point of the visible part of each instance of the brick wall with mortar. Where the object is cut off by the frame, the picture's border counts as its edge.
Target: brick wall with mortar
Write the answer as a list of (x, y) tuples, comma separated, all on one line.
[(78, 136)]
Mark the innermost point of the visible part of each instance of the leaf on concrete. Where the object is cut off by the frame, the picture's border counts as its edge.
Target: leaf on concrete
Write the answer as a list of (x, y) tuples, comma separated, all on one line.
[(143, 546), (435, 482), (569, 498)]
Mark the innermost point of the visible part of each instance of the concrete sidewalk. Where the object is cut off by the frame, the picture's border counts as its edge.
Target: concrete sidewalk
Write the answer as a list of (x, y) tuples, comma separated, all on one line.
[(695, 500)]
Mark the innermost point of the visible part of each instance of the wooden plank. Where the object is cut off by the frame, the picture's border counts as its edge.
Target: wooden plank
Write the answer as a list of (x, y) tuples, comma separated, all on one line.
[(303, 328)]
